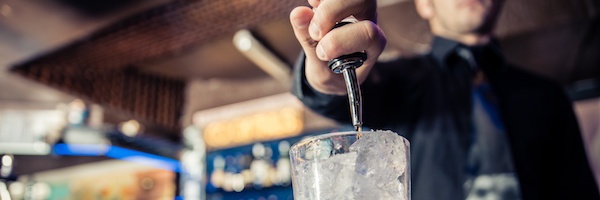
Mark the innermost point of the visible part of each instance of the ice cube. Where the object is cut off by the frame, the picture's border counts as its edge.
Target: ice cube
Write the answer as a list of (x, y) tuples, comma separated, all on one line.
[(332, 178), (364, 188), (319, 150), (382, 160)]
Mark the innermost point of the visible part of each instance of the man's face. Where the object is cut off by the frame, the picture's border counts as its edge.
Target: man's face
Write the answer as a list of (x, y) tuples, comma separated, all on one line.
[(466, 16)]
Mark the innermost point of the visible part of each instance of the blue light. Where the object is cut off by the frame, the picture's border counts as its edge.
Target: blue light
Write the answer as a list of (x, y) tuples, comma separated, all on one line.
[(117, 153), (80, 149)]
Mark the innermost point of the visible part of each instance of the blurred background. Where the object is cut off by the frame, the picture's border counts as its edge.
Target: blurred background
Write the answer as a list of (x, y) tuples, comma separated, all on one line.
[(189, 99)]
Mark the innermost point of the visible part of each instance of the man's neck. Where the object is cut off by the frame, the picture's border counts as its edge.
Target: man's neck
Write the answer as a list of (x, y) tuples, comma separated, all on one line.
[(473, 40), (469, 39)]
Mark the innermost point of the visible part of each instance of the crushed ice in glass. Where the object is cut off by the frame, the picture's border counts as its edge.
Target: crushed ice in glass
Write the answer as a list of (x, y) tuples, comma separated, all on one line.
[(373, 169)]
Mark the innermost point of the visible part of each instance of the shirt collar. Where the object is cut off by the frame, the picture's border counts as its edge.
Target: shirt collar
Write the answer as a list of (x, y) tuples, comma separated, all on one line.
[(442, 48)]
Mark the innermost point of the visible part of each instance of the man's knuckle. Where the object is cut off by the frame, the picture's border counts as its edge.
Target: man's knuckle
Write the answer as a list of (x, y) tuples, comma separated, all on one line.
[(332, 46), (370, 30), (310, 42), (327, 12)]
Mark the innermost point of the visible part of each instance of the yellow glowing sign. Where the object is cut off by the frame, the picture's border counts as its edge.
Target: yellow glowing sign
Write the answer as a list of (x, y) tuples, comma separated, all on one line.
[(270, 125)]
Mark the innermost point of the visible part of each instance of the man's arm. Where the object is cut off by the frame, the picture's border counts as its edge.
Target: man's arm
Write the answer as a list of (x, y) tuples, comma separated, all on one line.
[(571, 151), (329, 105), (387, 102)]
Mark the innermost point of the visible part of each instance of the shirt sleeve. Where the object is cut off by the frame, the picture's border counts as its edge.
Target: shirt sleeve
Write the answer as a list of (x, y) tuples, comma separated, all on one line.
[(331, 106), (383, 94), (571, 151)]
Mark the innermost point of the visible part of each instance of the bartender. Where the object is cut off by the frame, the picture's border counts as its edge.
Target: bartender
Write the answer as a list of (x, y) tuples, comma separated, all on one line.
[(479, 126)]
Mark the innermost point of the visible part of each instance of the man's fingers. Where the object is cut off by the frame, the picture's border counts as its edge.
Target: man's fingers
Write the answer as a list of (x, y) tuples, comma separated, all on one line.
[(363, 35), (300, 19), (331, 11), (314, 3)]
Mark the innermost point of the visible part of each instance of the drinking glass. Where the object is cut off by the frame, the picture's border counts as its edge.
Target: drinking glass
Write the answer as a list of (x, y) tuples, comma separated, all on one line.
[(351, 165)]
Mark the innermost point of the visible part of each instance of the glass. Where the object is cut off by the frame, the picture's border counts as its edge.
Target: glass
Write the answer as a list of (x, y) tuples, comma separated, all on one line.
[(351, 165)]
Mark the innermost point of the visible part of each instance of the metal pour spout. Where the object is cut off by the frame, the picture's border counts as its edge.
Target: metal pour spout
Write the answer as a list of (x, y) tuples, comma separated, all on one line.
[(354, 97), (347, 65)]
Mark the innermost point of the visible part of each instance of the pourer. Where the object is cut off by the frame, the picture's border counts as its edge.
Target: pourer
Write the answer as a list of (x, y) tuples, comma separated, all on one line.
[(347, 65)]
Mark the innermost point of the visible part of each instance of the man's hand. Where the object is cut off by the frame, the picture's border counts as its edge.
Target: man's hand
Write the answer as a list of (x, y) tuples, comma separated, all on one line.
[(312, 28)]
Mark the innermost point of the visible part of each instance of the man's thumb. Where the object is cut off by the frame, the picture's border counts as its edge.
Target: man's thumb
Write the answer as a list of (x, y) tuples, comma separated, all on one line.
[(300, 19)]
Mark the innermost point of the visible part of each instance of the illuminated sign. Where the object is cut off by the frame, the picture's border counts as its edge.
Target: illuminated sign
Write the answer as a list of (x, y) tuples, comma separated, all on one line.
[(269, 125), (268, 118)]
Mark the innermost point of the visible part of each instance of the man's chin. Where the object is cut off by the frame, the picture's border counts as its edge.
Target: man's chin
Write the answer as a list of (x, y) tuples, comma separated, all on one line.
[(477, 12), (471, 23)]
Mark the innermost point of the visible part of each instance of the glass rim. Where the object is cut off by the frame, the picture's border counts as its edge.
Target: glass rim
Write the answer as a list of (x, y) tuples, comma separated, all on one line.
[(343, 133)]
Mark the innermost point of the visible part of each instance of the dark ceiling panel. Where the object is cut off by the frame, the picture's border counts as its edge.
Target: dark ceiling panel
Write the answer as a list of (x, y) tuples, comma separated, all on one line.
[(155, 101), (94, 8), (166, 31), (100, 68), (220, 59)]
